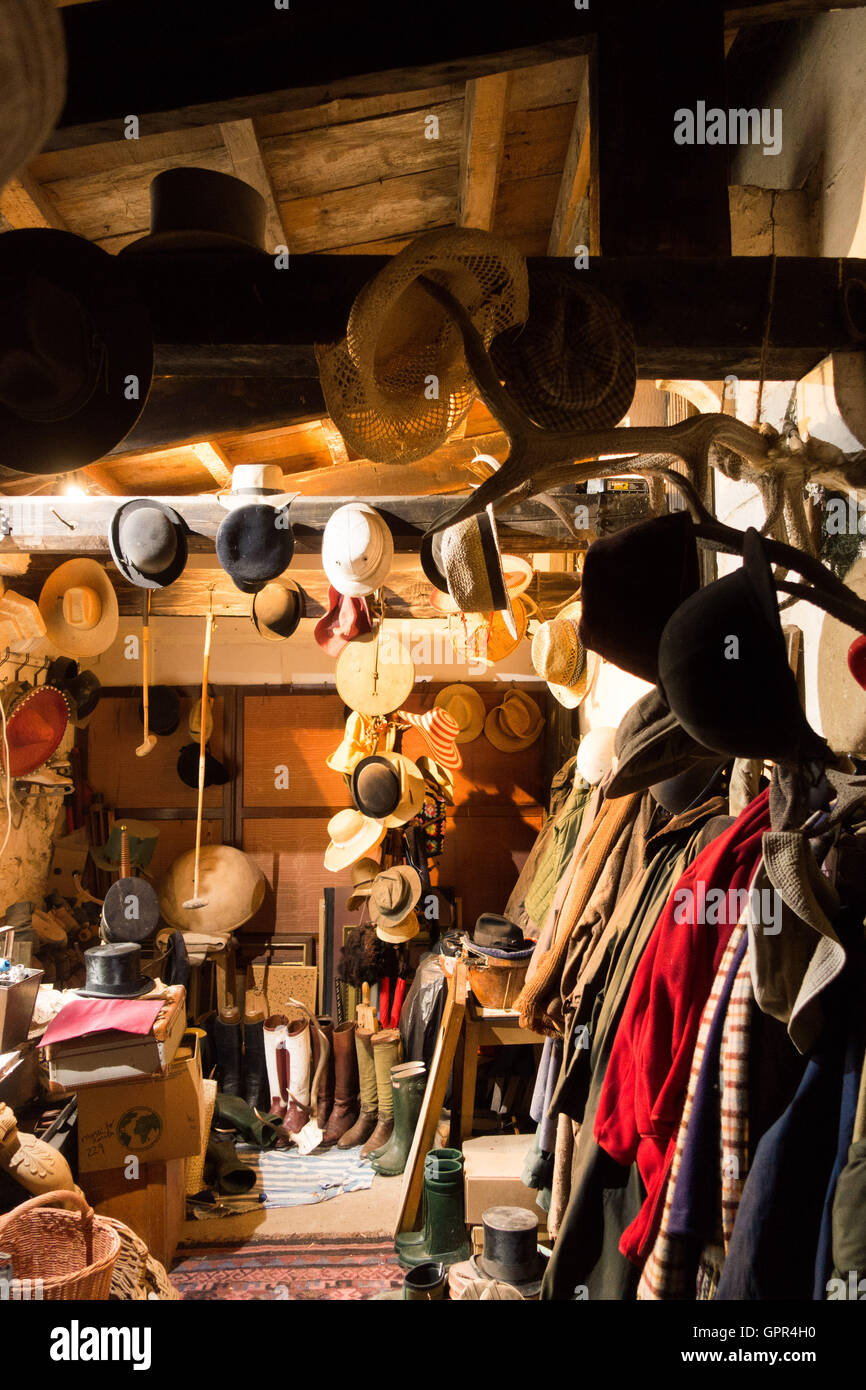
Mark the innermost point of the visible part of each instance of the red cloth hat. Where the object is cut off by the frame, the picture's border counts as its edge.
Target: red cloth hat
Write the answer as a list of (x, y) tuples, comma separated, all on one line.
[(346, 618), (439, 729), (35, 726)]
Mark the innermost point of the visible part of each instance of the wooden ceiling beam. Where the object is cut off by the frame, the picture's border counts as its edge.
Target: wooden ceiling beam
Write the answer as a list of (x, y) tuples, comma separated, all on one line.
[(572, 220), (214, 460), (245, 153), (485, 114), (335, 442), (23, 203)]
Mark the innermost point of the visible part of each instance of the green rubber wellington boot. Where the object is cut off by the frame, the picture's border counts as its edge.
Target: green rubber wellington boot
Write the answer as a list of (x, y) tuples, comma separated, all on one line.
[(408, 1092), (437, 1163), (446, 1224)]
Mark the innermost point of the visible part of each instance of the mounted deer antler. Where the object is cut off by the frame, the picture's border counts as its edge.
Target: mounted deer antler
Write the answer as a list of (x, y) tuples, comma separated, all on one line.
[(539, 459)]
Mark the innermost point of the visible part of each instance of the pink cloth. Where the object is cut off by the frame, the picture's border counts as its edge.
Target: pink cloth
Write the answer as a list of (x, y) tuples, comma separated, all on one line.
[(82, 1017), (346, 618)]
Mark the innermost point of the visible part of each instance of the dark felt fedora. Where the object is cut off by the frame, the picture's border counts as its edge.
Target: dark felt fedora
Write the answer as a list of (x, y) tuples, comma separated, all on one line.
[(202, 210), (148, 543), (114, 972), (254, 545), (498, 936), (651, 746), (81, 688), (632, 583), (375, 785), (73, 335), (163, 710), (278, 608), (724, 672), (216, 774)]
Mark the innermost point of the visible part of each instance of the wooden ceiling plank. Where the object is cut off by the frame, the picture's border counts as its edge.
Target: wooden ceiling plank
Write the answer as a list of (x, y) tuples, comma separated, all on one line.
[(248, 163), (407, 205), (334, 440), (485, 114), (24, 203), (569, 216), (214, 460)]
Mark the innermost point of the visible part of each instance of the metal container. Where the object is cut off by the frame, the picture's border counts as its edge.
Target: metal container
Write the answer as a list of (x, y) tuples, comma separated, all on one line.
[(17, 1002)]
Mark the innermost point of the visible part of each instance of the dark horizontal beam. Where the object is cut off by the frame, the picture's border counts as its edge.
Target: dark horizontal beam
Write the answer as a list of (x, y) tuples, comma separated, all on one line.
[(175, 64)]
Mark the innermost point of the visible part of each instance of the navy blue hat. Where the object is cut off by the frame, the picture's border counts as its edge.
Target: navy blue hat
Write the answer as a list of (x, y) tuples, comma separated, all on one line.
[(254, 545)]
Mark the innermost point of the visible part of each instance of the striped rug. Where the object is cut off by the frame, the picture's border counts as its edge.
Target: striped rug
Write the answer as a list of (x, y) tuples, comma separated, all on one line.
[(287, 1270), (291, 1179)]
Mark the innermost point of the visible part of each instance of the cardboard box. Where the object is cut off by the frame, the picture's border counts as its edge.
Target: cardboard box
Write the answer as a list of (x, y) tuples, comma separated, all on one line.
[(492, 1168), (155, 1119)]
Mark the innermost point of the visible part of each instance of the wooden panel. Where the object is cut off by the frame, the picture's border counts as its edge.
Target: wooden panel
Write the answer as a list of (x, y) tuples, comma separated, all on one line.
[(290, 853), (114, 771), (524, 212), (299, 731), (545, 84), (359, 109), (320, 161), (483, 858), (149, 154), (407, 205), (536, 142)]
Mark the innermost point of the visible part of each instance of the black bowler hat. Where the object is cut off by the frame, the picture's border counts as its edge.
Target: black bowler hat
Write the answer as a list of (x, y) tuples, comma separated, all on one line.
[(510, 1252), (215, 772), (254, 545), (163, 711), (723, 668), (376, 787), (148, 543), (73, 336), (498, 936), (632, 583), (114, 972)]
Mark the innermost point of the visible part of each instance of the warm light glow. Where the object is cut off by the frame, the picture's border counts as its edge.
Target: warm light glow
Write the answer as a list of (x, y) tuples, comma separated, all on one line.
[(73, 490)]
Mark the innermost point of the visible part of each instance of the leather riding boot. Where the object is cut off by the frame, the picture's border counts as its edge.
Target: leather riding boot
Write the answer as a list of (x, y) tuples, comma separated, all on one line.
[(408, 1098), (227, 1041), (386, 1054), (345, 1108), (322, 1042), (298, 1054), (255, 1068), (366, 1121), (274, 1033)]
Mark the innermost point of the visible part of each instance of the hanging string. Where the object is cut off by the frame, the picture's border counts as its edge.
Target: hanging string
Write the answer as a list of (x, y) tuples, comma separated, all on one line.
[(765, 345)]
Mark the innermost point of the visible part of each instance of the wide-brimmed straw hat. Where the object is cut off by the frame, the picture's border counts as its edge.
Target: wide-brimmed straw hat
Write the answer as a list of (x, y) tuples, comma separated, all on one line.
[(515, 724), (466, 706), (439, 729), (357, 549), (560, 657), (440, 778), (352, 836), (472, 565), (79, 606), (377, 380)]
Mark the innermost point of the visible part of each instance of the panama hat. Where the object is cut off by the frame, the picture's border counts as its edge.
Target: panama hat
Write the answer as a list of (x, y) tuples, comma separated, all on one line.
[(148, 543), (254, 544), (256, 482), (352, 836), (278, 609), (374, 674), (439, 730), (560, 657), (79, 606), (376, 380), (515, 724), (466, 706), (472, 565), (363, 873), (357, 549), (841, 699)]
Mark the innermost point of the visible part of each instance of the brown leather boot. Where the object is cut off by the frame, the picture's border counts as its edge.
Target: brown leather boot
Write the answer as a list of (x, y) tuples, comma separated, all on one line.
[(325, 1094), (366, 1121), (345, 1109), (386, 1054)]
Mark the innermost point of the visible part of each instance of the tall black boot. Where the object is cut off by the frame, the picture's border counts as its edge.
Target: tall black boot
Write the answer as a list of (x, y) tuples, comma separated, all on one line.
[(227, 1040), (255, 1067)]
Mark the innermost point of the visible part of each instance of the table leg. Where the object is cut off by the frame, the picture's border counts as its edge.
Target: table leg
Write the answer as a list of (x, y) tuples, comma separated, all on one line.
[(469, 1077)]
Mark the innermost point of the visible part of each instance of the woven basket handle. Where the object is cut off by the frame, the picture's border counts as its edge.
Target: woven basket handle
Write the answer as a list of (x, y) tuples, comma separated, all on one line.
[(50, 1199)]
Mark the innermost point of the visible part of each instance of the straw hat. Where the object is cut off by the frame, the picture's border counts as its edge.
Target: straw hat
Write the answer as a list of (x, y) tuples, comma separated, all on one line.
[(376, 381), (353, 835), (231, 882), (437, 776), (256, 482), (472, 565), (560, 657), (841, 698), (514, 724), (439, 729), (357, 549), (79, 606), (32, 80), (363, 874), (465, 705), (374, 676), (487, 638)]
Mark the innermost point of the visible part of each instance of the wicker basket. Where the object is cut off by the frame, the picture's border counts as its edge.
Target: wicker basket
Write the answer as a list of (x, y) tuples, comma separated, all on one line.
[(72, 1253), (137, 1275), (194, 1166)]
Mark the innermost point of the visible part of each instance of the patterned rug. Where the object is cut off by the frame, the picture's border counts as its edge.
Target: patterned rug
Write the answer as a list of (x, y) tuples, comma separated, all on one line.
[(307, 1268), (288, 1178)]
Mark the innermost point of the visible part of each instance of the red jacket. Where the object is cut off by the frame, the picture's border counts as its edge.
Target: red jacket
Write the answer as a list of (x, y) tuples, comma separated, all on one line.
[(646, 1079)]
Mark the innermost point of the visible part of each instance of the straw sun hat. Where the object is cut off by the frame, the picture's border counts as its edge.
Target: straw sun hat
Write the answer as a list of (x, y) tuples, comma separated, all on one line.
[(560, 657), (400, 343), (79, 606), (465, 705), (515, 724), (353, 836)]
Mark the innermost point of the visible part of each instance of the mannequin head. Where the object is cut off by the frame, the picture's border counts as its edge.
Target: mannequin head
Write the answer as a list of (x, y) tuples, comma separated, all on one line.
[(595, 754)]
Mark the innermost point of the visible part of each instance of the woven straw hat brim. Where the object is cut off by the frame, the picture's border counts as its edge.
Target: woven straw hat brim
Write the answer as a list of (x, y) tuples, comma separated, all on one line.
[(470, 702), (32, 80), (472, 564), (76, 641)]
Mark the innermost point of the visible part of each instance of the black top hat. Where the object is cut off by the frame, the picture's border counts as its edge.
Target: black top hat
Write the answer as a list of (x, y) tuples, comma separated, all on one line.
[(254, 545), (73, 334), (163, 710), (114, 972), (511, 1248), (736, 697), (376, 786), (632, 582), (215, 772), (278, 608), (202, 210), (148, 543)]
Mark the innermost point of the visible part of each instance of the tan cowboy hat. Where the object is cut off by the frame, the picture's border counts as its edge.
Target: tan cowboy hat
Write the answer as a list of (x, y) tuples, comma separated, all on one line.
[(465, 705), (363, 874), (411, 790), (442, 777), (353, 835), (561, 659), (376, 380), (79, 606), (231, 882), (514, 724), (841, 699), (375, 673)]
